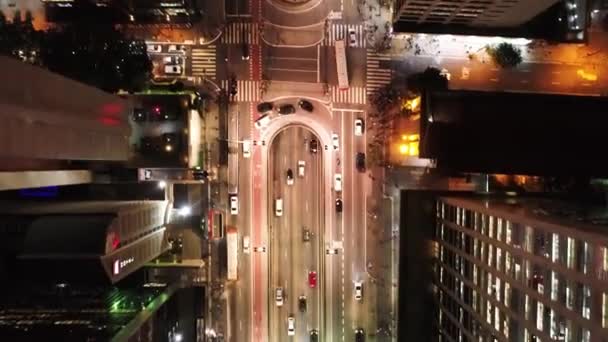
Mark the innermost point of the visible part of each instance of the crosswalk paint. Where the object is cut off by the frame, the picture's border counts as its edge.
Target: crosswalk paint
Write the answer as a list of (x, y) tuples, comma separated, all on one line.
[(353, 95), (203, 61), (246, 91), (241, 32), (376, 77), (340, 31)]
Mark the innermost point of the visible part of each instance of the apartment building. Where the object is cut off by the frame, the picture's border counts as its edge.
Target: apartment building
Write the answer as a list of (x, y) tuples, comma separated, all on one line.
[(520, 270)]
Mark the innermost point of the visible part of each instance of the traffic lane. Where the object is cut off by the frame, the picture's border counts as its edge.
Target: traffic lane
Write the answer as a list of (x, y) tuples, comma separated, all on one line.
[(352, 248), (290, 64), (281, 245), (244, 224)]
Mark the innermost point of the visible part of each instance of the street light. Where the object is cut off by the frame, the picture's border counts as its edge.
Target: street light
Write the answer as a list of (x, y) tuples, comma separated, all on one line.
[(184, 211), (162, 184)]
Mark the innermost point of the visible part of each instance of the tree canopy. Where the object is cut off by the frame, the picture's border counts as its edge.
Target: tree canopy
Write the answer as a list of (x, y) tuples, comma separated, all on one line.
[(505, 55), (98, 55)]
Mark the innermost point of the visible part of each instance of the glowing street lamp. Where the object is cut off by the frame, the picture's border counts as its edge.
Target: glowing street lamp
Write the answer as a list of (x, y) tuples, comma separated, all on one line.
[(162, 184)]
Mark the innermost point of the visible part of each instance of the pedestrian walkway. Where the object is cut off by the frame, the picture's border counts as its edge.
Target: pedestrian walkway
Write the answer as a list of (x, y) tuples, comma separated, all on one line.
[(203, 62), (247, 91), (241, 32), (340, 31), (352, 95), (376, 77)]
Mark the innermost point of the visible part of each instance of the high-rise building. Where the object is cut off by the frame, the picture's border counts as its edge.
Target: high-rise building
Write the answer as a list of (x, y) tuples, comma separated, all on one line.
[(479, 17), (49, 121), (520, 270)]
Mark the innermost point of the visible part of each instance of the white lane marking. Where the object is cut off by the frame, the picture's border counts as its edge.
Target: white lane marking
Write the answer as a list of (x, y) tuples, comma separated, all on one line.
[(494, 79), (292, 70), (555, 83), (306, 205), (318, 63)]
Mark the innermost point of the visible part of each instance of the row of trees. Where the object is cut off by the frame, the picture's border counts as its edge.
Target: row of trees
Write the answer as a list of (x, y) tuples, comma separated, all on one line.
[(98, 55)]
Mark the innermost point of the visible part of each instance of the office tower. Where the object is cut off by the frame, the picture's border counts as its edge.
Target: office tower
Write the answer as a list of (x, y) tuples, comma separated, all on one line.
[(49, 121), (521, 270)]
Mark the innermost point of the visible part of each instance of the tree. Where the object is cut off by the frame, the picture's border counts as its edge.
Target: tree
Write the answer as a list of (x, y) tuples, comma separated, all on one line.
[(505, 55), (430, 79), (97, 55), (17, 17)]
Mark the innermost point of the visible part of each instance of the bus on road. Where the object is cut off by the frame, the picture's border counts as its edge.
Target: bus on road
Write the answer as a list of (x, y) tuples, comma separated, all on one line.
[(341, 66), (232, 245)]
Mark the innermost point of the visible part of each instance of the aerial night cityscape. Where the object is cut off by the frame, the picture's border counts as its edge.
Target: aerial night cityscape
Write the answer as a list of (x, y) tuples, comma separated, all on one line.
[(304, 170)]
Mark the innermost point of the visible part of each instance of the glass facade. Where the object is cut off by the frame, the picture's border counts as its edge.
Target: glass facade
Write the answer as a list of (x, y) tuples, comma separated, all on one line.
[(504, 277)]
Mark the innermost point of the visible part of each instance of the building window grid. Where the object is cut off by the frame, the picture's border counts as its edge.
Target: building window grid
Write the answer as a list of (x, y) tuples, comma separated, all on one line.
[(480, 249), (527, 298), (571, 253)]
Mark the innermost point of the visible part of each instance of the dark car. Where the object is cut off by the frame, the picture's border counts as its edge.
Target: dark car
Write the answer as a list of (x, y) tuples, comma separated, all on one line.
[(306, 105), (338, 205), (360, 162), (302, 303), (305, 235), (314, 336), (359, 335), (314, 146), (139, 115), (170, 138), (148, 144), (265, 107), (287, 109), (245, 49)]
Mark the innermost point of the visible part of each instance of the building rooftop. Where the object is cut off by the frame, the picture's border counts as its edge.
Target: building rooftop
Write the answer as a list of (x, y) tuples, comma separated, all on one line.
[(61, 312), (584, 219)]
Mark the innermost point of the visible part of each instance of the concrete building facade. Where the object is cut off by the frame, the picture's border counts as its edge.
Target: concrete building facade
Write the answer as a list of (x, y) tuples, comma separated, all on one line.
[(520, 270)]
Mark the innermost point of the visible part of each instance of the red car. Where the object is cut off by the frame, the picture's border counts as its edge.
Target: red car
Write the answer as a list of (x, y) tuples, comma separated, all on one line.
[(312, 279)]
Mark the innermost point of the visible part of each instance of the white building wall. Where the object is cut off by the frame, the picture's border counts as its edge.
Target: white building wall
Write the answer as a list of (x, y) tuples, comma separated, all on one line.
[(47, 116)]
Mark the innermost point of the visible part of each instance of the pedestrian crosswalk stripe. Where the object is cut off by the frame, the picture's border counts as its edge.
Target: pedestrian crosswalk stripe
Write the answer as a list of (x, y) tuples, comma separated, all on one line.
[(246, 91), (203, 61), (352, 95), (241, 32), (376, 77), (340, 31)]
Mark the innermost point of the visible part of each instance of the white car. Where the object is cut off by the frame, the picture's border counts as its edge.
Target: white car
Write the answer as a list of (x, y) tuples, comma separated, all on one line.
[(246, 244), (155, 48), (278, 207), (352, 38), (358, 127), (291, 326), (301, 165), (279, 296), (246, 148), (176, 48), (465, 73), (234, 205), (335, 141), (262, 121), (358, 290), (338, 182), (173, 70), (445, 73)]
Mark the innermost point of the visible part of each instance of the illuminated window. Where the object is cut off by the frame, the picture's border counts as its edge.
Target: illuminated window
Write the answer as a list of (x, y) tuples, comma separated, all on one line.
[(499, 224), (555, 248), (570, 254), (604, 310), (508, 232)]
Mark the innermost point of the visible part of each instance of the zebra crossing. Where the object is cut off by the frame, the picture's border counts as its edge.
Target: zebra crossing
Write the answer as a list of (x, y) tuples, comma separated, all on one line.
[(352, 95), (203, 61), (238, 33), (340, 31), (246, 91), (376, 77)]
